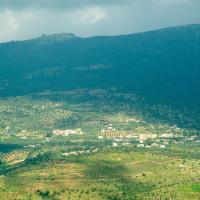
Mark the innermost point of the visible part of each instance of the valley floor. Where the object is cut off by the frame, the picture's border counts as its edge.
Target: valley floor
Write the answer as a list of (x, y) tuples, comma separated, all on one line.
[(87, 145)]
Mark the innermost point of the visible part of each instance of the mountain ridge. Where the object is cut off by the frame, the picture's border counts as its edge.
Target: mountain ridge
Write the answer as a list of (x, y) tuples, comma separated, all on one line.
[(161, 64), (72, 35)]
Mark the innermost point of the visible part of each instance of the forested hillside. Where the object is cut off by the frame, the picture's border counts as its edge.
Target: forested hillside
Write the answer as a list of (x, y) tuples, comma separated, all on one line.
[(163, 64)]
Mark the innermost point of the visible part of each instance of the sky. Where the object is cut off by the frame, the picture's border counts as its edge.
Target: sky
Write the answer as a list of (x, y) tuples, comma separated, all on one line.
[(24, 19)]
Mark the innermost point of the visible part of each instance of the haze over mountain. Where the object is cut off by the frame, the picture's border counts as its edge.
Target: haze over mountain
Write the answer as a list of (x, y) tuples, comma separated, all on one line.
[(162, 66)]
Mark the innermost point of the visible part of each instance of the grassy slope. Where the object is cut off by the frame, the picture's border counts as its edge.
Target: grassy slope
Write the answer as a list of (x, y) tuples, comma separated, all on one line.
[(108, 174)]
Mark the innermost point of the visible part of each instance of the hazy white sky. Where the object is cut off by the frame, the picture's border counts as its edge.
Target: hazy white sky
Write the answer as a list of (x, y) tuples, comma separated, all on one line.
[(23, 19)]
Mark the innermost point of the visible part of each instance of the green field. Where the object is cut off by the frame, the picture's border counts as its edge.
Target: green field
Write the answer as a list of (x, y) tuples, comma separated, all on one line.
[(109, 174)]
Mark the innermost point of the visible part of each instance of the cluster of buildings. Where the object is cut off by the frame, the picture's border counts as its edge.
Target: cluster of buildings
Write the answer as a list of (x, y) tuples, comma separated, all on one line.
[(76, 153), (167, 136), (113, 133), (67, 132), (162, 146), (156, 140), (117, 134)]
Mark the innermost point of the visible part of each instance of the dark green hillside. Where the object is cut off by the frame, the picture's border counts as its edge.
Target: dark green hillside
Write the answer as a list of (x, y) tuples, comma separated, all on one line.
[(163, 65)]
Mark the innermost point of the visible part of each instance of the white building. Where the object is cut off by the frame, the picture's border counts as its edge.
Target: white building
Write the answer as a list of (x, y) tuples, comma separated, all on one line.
[(167, 136), (147, 136), (162, 146), (140, 145), (115, 144)]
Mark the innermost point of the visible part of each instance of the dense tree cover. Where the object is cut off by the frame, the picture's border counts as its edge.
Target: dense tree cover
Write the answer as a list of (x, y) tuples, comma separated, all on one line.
[(161, 65)]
